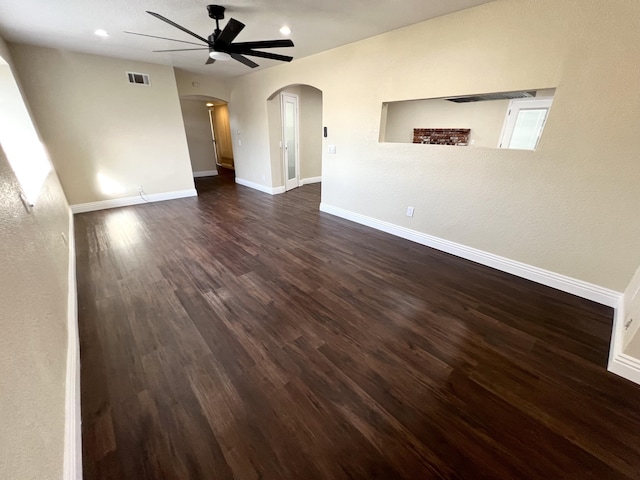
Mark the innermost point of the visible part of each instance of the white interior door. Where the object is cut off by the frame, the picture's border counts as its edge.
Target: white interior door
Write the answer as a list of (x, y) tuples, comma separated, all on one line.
[(524, 123), (290, 147)]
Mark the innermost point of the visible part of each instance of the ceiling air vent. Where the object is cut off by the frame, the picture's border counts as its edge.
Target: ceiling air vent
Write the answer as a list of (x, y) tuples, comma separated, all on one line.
[(493, 96), (138, 78)]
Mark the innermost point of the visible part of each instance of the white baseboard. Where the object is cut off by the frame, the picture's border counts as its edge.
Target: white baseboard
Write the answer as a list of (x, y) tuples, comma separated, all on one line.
[(257, 186), (205, 173), (625, 366), (127, 201), (619, 363), (574, 286), (307, 181), (72, 463)]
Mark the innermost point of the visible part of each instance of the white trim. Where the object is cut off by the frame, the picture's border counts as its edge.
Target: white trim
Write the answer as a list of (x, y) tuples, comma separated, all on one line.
[(514, 107), (72, 464), (127, 201), (257, 186), (620, 363), (307, 181), (625, 366), (628, 335), (574, 286), (205, 173), (291, 98)]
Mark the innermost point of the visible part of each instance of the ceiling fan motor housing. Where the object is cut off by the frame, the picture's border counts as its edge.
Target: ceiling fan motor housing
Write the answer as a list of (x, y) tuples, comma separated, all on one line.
[(216, 11)]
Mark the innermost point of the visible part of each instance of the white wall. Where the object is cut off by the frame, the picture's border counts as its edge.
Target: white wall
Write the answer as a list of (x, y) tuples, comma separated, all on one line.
[(569, 207), (95, 123), (197, 126), (33, 308)]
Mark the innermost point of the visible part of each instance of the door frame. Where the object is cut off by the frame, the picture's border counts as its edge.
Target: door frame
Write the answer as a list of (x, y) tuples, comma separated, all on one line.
[(295, 182), (514, 108), (213, 137)]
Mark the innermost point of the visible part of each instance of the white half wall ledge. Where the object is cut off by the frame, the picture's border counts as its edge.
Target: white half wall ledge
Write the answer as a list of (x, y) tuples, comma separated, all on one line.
[(205, 173), (128, 201), (72, 464), (560, 282), (307, 181), (262, 188)]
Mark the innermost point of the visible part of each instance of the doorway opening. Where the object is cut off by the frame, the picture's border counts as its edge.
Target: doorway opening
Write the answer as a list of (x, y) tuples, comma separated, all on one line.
[(295, 136), (206, 124)]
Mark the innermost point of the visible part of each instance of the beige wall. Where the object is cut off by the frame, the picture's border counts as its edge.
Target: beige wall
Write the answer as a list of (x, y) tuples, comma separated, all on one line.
[(197, 126), (189, 83), (485, 119), (33, 313), (94, 122), (569, 207), (310, 105), (310, 133)]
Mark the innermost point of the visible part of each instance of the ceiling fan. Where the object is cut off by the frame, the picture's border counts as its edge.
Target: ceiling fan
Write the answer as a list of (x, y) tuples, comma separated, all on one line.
[(220, 43)]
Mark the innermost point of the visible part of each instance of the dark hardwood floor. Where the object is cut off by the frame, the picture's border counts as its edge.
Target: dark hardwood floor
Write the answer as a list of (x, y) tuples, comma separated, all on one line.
[(240, 335)]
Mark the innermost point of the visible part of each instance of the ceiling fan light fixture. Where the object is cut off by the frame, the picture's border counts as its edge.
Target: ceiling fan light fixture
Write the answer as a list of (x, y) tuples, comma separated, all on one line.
[(101, 33), (221, 56), (285, 30)]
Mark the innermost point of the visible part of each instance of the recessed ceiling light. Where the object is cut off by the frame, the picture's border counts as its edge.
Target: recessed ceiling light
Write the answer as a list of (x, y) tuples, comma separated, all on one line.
[(285, 30), (101, 33), (209, 104)]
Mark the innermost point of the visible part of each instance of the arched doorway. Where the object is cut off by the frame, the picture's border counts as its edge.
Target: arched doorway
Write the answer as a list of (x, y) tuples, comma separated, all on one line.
[(295, 135), (206, 124)]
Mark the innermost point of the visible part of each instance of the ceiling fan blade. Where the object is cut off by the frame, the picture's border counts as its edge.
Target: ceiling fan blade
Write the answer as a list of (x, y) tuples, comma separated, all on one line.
[(272, 56), (245, 60), (181, 49), (174, 24), (162, 38), (230, 31), (264, 44), (209, 61)]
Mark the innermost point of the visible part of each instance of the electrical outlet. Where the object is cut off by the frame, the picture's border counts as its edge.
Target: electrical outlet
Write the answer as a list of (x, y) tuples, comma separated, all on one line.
[(140, 189), (410, 211)]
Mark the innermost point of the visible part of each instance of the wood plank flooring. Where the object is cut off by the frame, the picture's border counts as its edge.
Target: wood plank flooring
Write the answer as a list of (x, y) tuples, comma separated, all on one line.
[(243, 336)]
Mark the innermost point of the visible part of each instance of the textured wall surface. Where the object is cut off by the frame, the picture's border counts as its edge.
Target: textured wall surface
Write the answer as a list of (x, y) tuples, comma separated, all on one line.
[(569, 207), (33, 321), (197, 127), (96, 123), (310, 132), (485, 119), (190, 83)]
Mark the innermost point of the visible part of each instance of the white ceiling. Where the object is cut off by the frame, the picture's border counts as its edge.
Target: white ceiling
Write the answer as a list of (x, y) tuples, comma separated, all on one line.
[(316, 25)]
